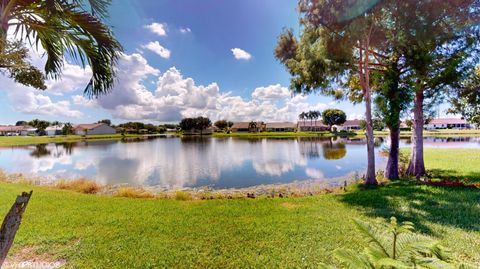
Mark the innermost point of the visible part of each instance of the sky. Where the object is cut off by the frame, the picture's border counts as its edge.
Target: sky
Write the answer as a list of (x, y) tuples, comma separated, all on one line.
[(183, 58)]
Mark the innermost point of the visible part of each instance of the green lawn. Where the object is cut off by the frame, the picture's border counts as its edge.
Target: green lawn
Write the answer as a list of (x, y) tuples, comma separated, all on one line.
[(453, 164), (276, 134), (90, 231), (7, 141)]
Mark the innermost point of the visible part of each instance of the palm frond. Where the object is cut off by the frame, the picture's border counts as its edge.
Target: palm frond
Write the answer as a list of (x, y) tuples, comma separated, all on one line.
[(374, 235), (352, 260), (64, 28)]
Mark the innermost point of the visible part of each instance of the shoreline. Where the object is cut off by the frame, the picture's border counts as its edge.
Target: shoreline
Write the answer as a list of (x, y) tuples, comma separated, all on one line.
[(297, 188), (12, 141)]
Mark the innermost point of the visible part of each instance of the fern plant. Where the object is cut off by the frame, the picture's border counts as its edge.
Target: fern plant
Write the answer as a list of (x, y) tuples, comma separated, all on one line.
[(395, 246)]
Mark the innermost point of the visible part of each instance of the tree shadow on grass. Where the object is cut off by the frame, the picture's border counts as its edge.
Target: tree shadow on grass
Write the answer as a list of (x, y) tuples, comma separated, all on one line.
[(455, 207), (469, 178)]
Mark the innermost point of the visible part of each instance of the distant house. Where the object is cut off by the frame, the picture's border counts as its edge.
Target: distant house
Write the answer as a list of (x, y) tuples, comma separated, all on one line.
[(281, 127), (308, 126), (93, 129), (447, 123), (350, 125), (239, 127), (54, 130), (12, 130)]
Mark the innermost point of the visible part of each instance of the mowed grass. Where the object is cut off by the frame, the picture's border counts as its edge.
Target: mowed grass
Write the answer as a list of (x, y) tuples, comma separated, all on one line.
[(91, 231), (452, 164), (7, 141)]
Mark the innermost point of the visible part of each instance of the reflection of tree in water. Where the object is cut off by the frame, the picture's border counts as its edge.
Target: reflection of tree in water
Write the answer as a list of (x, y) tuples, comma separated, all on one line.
[(40, 151), (309, 146), (68, 147), (334, 151), (378, 142)]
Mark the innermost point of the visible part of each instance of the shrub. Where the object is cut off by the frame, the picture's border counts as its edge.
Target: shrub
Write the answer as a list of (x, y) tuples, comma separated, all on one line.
[(395, 246), (134, 193), (79, 185), (182, 196)]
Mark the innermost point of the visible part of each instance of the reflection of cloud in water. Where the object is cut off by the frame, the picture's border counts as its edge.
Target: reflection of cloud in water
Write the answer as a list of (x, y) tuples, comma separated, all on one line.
[(314, 173), (176, 163)]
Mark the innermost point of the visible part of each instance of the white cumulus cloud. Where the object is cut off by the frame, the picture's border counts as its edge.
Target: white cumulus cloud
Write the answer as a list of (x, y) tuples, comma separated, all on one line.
[(158, 49), (272, 92), (240, 54), (175, 96), (157, 28), (185, 30)]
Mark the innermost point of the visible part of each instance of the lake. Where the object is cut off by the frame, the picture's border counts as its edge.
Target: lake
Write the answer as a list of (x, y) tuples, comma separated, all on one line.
[(219, 163)]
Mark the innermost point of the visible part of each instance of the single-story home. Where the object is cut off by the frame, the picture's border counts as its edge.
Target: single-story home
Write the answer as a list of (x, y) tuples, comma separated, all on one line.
[(350, 125), (12, 130), (281, 127), (93, 129), (245, 127), (309, 126), (447, 123), (54, 130)]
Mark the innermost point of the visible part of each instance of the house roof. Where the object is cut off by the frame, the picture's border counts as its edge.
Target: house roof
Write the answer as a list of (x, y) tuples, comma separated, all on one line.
[(88, 126), (10, 128), (281, 125), (245, 125), (13, 128), (54, 128), (311, 124), (352, 123), (448, 121)]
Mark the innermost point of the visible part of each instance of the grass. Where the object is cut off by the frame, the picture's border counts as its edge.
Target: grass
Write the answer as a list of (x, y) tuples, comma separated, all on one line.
[(91, 231), (281, 134), (129, 192), (8, 141), (453, 164), (79, 185)]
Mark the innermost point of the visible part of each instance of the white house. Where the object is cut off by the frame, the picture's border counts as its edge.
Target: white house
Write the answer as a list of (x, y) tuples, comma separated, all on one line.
[(447, 123), (93, 129), (54, 130), (349, 125)]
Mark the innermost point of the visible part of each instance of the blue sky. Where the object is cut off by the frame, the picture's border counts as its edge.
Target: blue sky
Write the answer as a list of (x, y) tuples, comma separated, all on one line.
[(179, 62)]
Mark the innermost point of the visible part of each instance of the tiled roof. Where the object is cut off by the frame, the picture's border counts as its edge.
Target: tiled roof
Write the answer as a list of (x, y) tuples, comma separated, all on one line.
[(448, 121), (311, 124), (281, 125), (88, 126), (13, 128), (352, 123)]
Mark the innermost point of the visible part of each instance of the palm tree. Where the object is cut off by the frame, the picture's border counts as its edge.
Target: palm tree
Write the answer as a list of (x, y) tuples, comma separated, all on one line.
[(315, 115), (303, 116), (71, 27), (310, 116), (252, 126)]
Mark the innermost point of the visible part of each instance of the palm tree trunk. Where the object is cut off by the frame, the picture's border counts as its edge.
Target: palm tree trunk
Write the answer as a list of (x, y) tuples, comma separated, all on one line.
[(416, 166), (391, 170)]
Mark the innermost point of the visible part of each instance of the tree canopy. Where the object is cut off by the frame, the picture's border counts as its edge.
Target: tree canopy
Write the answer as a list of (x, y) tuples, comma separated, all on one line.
[(63, 28), (332, 117)]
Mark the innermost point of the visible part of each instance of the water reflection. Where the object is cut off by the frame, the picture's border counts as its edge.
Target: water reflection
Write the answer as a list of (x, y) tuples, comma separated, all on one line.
[(334, 151), (200, 161)]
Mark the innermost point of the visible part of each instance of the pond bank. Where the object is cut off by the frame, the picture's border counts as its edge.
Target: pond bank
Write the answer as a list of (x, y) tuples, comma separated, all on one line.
[(87, 231)]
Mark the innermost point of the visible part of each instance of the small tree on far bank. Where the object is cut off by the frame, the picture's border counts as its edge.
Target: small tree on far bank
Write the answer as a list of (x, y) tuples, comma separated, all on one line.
[(332, 117), (67, 129), (202, 123)]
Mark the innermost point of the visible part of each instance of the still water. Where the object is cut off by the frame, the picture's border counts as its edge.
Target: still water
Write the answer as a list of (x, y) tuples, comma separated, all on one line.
[(194, 162)]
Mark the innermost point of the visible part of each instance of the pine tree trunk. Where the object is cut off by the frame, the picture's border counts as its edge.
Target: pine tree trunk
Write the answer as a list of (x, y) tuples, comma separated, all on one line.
[(391, 170), (370, 177), (416, 166), (11, 223)]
